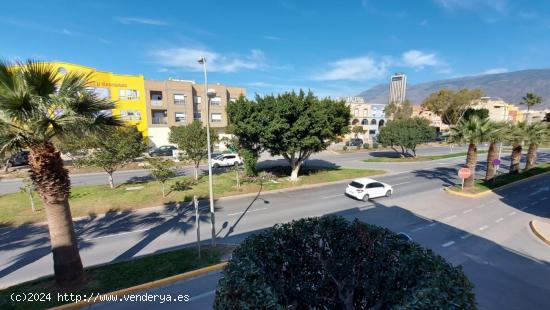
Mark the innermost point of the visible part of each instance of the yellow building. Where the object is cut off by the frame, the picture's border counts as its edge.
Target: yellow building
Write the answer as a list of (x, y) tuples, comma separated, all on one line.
[(126, 91)]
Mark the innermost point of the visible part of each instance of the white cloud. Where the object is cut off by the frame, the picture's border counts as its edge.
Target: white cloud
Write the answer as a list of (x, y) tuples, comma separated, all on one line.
[(418, 59), (140, 20), (67, 32), (500, 6), (495, 71), (356, 69), (186, 58)]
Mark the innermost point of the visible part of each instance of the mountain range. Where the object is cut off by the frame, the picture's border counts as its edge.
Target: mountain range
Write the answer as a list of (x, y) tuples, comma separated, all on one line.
[(509, 86)]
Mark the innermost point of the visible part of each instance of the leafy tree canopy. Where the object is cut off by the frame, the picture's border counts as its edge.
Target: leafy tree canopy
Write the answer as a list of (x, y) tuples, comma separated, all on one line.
[(191, 139), (451, 105), (531, 100), (406, 134), (330, 263), (399, 111), (480, 113)]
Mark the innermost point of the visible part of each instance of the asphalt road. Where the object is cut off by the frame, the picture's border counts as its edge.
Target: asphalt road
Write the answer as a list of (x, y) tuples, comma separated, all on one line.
[(488, 237), (327, 158)]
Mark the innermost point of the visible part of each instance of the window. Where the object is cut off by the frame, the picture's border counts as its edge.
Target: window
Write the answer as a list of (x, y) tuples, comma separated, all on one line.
[(356, 112), (216, 101), (233, 99), (365, 112), (356, 184), (179, 99), (101, 93), (197, 99), (365, 121), (180, 117), (159, 117), (216, 117), (373, 122), (197, 116), (130, 115), (128, 94), (372, 132)]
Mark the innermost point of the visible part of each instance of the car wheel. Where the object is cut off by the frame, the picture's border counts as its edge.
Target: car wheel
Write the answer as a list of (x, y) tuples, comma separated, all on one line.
[(366, 198), (388, 193), (236, 163), (215, 166)]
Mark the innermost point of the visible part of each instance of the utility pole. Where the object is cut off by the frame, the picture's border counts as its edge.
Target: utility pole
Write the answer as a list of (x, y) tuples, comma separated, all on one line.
[(202, 61)]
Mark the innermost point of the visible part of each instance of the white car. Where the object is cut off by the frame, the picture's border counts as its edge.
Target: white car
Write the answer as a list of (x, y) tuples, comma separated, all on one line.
[(365, 189), (226, 160)]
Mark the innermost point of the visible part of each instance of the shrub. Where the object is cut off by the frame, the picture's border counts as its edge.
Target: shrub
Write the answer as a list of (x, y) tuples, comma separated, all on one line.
[(345, 148), (366, 145), (374, 145), (182, 185), (330, 263)]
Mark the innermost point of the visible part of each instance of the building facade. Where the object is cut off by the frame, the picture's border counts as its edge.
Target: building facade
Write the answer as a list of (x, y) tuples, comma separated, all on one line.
[(127, 91), (367, 115), (179, 102), (398, 87), (435, 120)]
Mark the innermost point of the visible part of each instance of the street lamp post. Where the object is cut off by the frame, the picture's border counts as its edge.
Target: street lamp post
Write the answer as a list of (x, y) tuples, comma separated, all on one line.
[(202, 61)]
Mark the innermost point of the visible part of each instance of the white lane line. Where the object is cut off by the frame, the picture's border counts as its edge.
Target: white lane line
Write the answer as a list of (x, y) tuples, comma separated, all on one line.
[(468, 211), (512, 213), (480, 206), (543, 198), (255, 210), (433, 224), (448, 244), (484, 227), (466, 236), (199, 296), (499, 220), (332, 196), (402, 183), (418, 229), (524, 208), (119, 234), (533, 203), (448, 218)]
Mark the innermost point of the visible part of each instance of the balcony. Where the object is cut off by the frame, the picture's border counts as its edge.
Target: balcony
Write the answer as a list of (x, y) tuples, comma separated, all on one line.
[(156, 103), (160, 120)]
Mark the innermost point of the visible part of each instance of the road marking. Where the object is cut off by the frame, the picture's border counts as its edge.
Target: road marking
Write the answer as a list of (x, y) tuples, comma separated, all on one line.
[(484, 227), (402, 183), (524, 208), (332, 196), (236, 213), (199, 296), (480, 206), (448, 218), (543, 198), (448, 244), (468, 211), (119, 234), (512, 213), (433, 224), (499, 220), (418, 229), (533, 203), (466, 236)]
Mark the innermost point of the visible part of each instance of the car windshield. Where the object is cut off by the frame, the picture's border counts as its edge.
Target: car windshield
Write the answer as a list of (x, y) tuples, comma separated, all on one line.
[(356, 184), (219, 157)]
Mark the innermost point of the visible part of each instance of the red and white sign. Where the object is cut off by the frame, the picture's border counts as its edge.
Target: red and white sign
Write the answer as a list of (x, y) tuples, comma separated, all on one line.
[(464, 173)]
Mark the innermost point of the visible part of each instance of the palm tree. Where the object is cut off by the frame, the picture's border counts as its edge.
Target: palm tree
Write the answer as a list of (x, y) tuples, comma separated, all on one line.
[(37, 104), (472, 131), (535, 134), (494, 136), (531, 99), (515, 134)]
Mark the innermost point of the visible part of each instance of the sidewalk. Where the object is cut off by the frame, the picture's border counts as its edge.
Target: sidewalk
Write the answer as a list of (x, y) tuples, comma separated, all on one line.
[(541, 230)]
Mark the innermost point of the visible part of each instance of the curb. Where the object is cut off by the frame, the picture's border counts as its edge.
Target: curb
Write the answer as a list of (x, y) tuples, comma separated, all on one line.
[(505, 186), (145, 286), (538, 233)]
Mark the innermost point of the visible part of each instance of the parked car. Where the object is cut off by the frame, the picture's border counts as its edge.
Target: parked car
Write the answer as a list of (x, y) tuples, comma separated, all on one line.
[(165, 150), (354, 142), (226, 160), (365, 189), (18, 159)]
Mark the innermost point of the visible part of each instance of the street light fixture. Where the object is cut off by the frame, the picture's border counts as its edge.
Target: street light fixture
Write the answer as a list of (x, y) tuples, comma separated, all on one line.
[(202, 61)]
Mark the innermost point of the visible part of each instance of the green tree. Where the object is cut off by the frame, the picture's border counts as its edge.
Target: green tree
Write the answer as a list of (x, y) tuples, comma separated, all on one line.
[(406, 134), (451, 105), (481, 113), (247, 123), (531, 100), (399, 111), (357, 130), (495, 135), (472, 131), (113, 149), (332, 263), (28, 189), (301, 124), (515, 134), (535, 134), (191, 139), (36, 106), (161, 170)]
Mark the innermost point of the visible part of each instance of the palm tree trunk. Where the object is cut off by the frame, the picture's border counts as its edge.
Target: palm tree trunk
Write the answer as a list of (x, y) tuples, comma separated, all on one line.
[(516, 158), (531, 156), (491, 155), (52, 183), (471, 161)]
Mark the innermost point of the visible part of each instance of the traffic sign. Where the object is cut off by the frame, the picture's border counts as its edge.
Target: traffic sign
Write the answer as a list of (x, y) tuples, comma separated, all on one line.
[(464, 173), (496, 162)]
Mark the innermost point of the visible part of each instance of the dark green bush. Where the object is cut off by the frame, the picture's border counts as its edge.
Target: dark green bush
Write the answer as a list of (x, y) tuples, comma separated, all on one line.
[(345, 148), (374, 145), (330, 263), (366, 145)]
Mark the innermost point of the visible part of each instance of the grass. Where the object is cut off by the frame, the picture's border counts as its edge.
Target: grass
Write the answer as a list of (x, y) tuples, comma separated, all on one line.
[(501, 180), (417, 158), (99, 199), (112, 277)]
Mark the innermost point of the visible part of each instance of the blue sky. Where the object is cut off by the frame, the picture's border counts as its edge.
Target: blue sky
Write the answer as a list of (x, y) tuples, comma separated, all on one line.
[(335, 48)]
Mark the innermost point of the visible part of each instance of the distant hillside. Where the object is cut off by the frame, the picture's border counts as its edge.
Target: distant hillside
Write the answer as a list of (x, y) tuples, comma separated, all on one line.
[(510, 86)]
